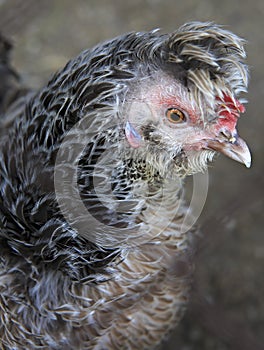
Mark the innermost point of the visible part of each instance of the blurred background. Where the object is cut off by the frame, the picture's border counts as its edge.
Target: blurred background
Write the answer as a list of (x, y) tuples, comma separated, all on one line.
[(227, 307)]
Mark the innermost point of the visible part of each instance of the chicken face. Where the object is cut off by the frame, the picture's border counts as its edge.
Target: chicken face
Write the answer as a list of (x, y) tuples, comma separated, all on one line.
[(164, 118)]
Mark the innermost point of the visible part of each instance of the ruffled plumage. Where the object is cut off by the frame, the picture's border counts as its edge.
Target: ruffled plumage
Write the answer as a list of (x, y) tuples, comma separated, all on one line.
[(93, 250)]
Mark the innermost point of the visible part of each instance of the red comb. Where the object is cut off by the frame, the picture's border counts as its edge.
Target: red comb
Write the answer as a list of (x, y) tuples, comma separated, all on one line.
[(230, 106), (229, 109), (233, 104)]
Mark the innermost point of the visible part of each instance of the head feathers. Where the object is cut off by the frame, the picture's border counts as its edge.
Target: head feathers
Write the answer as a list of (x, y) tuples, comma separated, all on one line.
[(210, 60)]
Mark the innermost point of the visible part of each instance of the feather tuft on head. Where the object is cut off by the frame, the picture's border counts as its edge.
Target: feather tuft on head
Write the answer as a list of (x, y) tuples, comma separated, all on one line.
[(209, 60)]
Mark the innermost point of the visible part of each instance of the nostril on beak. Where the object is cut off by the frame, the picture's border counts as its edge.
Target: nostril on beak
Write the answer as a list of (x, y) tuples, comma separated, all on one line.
[(232, 139), (228, 136)]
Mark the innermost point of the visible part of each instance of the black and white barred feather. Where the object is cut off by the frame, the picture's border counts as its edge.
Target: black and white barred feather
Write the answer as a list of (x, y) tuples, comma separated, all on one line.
[(68, 281)]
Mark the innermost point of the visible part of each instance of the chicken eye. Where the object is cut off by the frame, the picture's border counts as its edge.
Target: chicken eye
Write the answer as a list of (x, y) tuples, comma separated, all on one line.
[(175, 115)]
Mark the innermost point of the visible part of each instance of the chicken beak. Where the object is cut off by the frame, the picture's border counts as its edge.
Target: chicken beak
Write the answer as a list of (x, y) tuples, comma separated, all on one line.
[(233, 147)]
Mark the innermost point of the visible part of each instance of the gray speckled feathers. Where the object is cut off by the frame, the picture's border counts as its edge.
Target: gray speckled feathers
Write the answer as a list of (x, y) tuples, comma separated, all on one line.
[(105, 277)]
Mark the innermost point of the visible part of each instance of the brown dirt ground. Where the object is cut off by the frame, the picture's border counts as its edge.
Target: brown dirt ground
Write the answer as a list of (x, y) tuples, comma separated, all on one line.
[(227, 309)]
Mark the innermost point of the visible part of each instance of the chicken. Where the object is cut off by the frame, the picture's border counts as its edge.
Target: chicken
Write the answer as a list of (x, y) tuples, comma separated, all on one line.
[(94, 251)]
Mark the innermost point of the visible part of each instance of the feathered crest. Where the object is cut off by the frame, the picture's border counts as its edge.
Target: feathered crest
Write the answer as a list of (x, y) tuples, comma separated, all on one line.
[(209, 60)]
